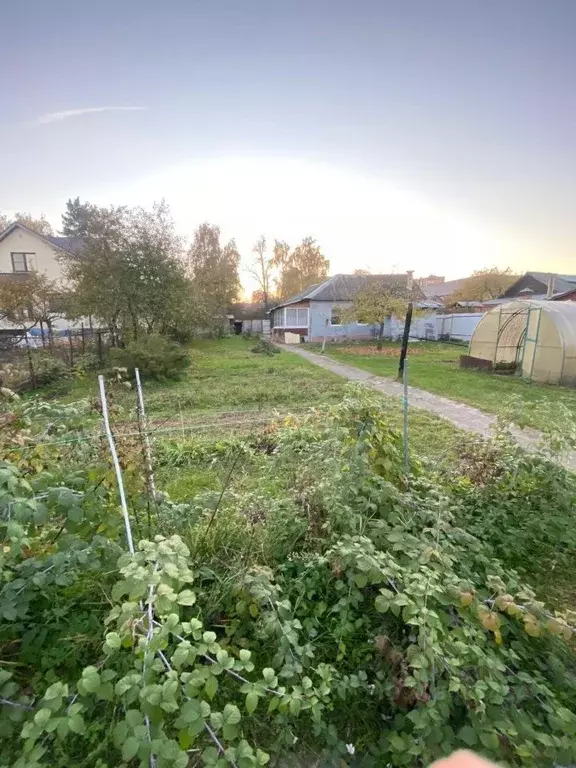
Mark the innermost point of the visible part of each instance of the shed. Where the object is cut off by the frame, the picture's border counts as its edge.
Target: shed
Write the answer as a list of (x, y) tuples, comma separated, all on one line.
[(540, 336)]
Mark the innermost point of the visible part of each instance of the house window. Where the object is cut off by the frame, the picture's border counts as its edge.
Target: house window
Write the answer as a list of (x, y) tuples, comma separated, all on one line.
[(296, 318), (23, 262), (336, 316)]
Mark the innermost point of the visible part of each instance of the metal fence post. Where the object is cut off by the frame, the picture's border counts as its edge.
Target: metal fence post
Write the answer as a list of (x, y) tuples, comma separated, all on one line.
[(116, 463), (143, 428), (405, 407)]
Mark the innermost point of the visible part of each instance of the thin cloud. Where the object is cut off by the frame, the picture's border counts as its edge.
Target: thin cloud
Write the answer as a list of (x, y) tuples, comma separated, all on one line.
[(54, 117)]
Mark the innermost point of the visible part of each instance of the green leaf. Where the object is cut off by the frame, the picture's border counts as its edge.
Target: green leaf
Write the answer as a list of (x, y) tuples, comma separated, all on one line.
[(211, 686), (113, 641), (134, 717), (251, 702), (295, 705), (467, 734), (216, 718), (191, 711), (76, 724), (42, 716), (130, 747), (186, 597), (55, 690), (231, 714), (381, 603), (268, 674), (244, 655), (361, 580), (490, 740), (210, 756), (209, 637), (91, 679)]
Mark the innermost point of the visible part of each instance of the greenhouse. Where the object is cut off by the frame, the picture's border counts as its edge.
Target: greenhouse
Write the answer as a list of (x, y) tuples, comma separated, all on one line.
[(538, 336)]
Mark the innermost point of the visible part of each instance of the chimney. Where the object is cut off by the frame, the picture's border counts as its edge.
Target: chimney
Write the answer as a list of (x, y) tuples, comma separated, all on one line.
[(409, 279), (550, 286)]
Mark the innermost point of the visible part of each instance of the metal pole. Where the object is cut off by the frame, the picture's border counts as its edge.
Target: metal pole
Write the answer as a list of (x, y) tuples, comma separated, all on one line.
[(143, 426), (405, 408), (116, 463)]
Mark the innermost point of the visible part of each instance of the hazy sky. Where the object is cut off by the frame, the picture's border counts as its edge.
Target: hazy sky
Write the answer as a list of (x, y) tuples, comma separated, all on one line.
[(437, 135)]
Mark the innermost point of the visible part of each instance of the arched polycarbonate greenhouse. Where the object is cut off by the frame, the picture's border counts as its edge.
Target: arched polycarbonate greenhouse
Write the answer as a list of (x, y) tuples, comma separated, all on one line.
[(539, 336)]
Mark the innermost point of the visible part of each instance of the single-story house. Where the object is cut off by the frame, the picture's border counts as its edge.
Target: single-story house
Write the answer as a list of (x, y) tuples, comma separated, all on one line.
[(317, 312), (249, 317)]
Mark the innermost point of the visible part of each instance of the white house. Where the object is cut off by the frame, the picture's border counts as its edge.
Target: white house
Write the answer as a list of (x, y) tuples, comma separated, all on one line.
[(23, 251)]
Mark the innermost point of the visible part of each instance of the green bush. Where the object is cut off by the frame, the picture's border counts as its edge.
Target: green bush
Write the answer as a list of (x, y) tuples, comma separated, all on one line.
[(265, 347), (156, 357), (324, 604), (48, 369)]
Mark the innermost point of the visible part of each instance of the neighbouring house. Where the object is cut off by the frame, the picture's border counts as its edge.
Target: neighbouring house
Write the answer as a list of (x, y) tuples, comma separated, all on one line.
[(23, 251), (249, 317), (543, 285), (318, 312), (440, 291)]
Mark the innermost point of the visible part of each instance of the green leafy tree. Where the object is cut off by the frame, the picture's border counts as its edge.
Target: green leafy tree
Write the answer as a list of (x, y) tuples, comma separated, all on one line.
[(40, 224), (130, 272), (378, 300), (79, 219), (213, 269), (485, 284), (299, 268)]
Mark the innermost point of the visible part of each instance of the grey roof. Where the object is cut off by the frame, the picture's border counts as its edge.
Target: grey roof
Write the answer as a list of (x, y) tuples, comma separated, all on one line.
[(70, 244), (441, 290), (562, 283), (343, 288)]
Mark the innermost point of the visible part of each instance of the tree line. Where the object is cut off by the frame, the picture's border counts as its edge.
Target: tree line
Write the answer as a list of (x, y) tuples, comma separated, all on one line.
[(133, 272)]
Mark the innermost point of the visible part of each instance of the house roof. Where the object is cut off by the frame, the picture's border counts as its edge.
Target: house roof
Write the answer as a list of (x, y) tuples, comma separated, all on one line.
[(562, 283), (441, 290), (343, 288), (68, 244)]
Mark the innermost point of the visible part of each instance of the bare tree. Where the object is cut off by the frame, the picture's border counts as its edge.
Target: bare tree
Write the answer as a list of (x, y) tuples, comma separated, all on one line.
[(261, 270)]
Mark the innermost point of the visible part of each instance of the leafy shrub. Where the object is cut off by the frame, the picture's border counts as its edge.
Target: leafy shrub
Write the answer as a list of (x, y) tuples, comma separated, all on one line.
[(85, 363), (156, 356), (265, 347), (48, 369), (324, 605)]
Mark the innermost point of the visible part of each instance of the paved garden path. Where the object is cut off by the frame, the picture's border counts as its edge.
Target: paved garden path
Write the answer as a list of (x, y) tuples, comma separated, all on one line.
[(463, 416)]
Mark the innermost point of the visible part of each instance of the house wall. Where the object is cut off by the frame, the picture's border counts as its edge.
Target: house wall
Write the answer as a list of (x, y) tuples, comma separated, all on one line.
[(422, 327), (20, 241), (320, 311)]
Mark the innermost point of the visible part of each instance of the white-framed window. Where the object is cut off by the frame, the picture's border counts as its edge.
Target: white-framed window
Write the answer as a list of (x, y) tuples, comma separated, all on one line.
[(336, 316), (296, 317), (23, 262)]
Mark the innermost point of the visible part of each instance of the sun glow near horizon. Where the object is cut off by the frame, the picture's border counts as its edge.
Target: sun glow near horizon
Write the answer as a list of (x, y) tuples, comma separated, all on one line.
[(359, 221)]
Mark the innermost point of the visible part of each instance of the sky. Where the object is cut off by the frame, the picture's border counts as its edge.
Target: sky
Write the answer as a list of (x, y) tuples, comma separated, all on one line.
[(433, 135)]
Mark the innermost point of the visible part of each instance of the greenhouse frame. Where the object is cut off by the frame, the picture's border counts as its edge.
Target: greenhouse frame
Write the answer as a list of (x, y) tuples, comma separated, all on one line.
[(539, 336)]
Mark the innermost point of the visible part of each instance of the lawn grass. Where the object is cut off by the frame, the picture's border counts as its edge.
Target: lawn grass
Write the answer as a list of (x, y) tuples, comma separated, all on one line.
[(434, 366), (228, 390), (225, 376)]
